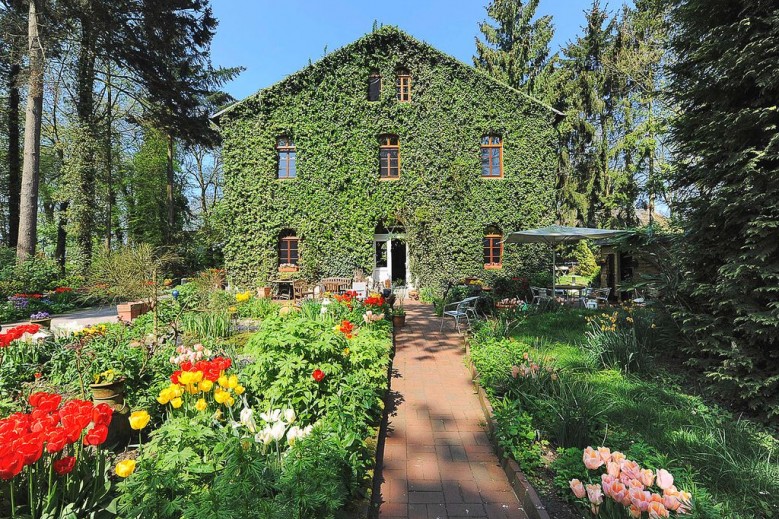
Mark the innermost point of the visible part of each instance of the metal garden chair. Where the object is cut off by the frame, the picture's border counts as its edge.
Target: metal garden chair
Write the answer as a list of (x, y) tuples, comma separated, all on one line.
[(459, 310)]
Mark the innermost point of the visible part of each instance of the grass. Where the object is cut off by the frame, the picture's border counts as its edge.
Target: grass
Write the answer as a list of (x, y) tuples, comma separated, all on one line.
[(729, 463)]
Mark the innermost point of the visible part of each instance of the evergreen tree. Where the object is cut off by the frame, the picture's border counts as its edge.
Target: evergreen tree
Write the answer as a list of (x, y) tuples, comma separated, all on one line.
[(585, 92), (726, 83), (516, 49)]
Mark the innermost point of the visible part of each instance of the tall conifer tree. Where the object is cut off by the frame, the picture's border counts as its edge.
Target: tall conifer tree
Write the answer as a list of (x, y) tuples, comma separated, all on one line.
[(726, 83)]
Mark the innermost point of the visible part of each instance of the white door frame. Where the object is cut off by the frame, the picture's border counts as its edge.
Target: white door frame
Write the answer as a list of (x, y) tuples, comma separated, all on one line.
[(384, 273)]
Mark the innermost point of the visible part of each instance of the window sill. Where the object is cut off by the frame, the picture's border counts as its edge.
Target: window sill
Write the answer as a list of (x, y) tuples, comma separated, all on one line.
[(492, 178), (493, 267), (389, 179), (286, 178)]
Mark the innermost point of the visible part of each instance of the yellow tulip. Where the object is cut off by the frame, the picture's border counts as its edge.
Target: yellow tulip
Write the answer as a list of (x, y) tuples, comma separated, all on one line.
[(221, 396), (230, 401), (186, 377), (139, 420), (176, 402), (232, 382), (201, 405), (222, 381), (205, 385), (125, 468), (239, 389)]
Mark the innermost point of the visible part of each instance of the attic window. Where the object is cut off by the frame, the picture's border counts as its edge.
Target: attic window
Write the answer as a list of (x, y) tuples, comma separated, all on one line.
[(389, 157), (491, 156), (374, 86), (403, 86), (285, 146)]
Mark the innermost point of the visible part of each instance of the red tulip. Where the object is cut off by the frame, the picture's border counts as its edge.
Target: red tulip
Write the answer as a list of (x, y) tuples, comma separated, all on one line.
[(56, 439), (101, 414), (318, 375), (64, 466), (96, 435), (31, 450), (45, 401), (11, 465)]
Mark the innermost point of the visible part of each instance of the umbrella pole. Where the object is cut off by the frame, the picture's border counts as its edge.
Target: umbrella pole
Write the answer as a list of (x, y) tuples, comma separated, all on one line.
[(554, 281)]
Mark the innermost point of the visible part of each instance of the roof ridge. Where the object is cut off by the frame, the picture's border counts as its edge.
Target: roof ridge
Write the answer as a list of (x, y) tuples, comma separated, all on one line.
[(385, 29)]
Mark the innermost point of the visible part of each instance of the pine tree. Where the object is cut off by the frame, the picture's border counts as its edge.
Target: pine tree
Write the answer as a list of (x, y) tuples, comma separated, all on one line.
[(516, 49), (726, 83)]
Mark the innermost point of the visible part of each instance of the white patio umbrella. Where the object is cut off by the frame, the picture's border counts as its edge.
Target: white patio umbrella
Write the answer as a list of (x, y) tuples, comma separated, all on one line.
[(556, 234)]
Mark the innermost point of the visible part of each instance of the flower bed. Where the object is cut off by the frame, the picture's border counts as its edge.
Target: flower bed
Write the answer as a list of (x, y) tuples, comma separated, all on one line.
[(561, 384), (280, 422)]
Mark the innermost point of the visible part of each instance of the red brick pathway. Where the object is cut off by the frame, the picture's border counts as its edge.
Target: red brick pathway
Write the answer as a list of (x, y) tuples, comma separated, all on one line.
[(438, 462)]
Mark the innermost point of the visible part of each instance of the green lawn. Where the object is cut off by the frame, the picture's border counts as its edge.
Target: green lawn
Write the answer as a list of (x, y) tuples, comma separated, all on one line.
[(728, 464)]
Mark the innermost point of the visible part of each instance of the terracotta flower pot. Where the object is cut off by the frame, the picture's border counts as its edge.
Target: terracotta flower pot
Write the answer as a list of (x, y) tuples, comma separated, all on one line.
[(112, 394)]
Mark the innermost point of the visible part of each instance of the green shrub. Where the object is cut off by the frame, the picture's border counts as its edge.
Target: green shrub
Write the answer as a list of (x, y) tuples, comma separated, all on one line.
[(35, 275), (517, 435), (203, 325)]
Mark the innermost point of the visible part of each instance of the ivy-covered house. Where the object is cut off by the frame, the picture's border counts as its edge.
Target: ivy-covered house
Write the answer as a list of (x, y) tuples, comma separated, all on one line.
[(388, 156)]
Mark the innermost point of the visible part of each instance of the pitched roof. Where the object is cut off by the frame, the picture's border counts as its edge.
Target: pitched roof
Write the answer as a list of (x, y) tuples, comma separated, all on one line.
[(384, 31)]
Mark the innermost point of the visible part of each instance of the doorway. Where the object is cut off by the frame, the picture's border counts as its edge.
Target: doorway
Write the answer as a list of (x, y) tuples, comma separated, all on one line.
[(390, 258)]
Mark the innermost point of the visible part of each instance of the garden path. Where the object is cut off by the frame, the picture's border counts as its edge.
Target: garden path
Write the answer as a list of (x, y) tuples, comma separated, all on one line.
[(438, 461), (85, 317)]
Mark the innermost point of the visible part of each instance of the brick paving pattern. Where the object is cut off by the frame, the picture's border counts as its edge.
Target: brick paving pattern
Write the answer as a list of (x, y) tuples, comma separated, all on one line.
[(438, 461)]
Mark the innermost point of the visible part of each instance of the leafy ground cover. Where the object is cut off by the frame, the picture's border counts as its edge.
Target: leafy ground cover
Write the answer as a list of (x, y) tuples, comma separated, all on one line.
[(563, 381), (236, 407)]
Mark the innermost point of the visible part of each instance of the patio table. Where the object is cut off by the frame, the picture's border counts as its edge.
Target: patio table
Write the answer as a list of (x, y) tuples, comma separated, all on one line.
[(278, 283), (569, 288)]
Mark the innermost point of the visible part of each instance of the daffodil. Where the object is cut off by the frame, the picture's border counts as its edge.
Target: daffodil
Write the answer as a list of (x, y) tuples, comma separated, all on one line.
[(139, 420)]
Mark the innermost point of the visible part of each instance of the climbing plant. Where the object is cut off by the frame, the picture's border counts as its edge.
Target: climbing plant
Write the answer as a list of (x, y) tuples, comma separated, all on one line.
[(337, 199)]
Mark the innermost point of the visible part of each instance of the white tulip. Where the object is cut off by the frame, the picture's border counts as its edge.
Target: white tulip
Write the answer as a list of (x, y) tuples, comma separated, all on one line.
[(277, 431), (263, 436), (293, 434), (247, 419), (289, 415), (271, 417)]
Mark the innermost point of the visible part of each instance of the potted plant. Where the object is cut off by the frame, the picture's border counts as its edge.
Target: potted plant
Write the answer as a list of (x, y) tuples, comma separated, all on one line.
[(42, 319), (399, 317), (108, 388)]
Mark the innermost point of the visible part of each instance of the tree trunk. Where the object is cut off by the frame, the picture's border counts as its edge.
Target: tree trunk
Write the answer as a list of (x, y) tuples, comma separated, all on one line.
[(62, 235), (84, 212), (14, 160), (28, 206), (170, 186), (109, 165)]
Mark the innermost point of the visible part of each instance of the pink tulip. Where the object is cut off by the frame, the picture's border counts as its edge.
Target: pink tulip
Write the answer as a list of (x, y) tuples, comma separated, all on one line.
[(605, 454), (632, 469), (606, 482), (617, 457), (634, 512), (664, 479), (515, 371), (671, 502), (647, 477), (657, 510), (592, 459), (634, 483), (578, 488), (594, 494), (619, 493), (613, 469), (685, 502), (640, 498)]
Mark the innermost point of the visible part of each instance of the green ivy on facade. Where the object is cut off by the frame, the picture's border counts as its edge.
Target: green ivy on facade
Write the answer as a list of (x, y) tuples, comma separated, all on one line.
[(337, 200)]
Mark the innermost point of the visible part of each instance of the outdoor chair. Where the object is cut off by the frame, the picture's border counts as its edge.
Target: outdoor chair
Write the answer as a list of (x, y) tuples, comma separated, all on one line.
[(539, 294), (600, 296), (361, 288), (300, 290), (460, 310)]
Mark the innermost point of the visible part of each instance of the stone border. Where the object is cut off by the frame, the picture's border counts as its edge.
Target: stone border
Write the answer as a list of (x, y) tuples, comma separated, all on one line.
[(527, 495)]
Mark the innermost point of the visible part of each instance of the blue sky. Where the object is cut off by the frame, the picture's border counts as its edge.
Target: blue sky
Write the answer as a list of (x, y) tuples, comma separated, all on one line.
[(273, 39)]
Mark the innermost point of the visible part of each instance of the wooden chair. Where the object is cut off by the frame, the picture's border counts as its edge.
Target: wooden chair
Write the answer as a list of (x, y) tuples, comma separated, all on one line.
[(300, 290)]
